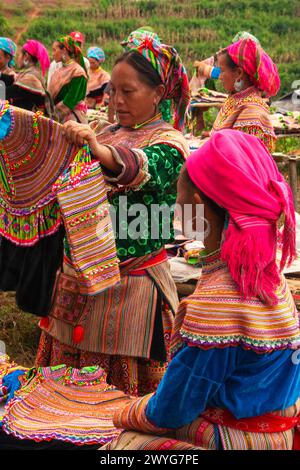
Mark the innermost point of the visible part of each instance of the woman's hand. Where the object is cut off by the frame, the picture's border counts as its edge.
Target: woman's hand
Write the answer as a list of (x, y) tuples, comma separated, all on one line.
[(81, 134)]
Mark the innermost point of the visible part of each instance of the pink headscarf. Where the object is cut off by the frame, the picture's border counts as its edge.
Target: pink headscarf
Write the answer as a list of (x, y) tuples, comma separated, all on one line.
[(249, 55), (236, 171), (38, 50)]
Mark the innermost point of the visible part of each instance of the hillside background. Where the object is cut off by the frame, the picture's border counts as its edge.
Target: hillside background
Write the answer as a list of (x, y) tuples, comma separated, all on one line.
[(196, 28)]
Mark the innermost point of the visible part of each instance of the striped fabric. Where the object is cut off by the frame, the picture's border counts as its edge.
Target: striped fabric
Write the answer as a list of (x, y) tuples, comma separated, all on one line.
[(200, 433), (89, 230), (248, 112), (32, 212), (216, 315), (67, 405), (129, 440), (108, 328)]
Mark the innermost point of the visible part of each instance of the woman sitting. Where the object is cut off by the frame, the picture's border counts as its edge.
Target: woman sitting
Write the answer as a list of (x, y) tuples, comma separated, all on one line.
[(234, 380), (127, 328), (68, 83), (98, 78), (27, 89)]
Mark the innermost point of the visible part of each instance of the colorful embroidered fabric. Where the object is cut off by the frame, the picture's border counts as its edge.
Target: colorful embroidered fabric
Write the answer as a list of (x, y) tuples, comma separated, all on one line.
[(249, 55), (201, 432), (217, 316), (65, 404), (30, 79), (247, 111), (86, 217), (166, 61), (63, 76), (104, 321), (33, 155)]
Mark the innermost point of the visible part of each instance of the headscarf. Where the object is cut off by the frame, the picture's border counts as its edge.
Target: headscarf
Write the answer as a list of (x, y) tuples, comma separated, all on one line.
[(166, 61), (96, 53), (237, 172), (72, 47), (139, 33), (38, 50), (244, 35), (249, 55), (8, 46)]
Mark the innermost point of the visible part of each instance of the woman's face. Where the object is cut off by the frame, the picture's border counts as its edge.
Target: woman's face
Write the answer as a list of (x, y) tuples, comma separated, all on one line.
[(228, 76), (94, 64), (20, 59), (134, 101), (56, 52), (4, 59)]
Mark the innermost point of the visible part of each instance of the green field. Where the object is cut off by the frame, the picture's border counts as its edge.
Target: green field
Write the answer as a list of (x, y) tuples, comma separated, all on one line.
[(196, 28)]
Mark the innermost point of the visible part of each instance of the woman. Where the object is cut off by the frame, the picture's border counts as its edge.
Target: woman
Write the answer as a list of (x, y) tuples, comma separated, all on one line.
[(7, 53), (126, 330), (98, 78), (248, 74), (27, 89), (234, 380), (68, 84)]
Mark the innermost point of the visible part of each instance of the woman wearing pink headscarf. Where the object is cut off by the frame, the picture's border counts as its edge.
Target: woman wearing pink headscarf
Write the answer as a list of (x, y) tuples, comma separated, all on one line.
[(249, 75), (27, 89), (234, 380)]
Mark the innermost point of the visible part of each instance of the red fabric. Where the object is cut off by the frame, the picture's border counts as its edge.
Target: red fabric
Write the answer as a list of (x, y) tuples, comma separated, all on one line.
[(236, 171), (249, 55), (266, 423), (157, 259)]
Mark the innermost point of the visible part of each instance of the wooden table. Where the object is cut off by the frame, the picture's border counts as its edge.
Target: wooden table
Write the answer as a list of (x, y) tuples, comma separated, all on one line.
[(292, 161), (198, 110)]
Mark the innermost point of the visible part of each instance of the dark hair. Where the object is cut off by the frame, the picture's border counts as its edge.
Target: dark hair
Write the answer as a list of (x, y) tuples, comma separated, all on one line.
[(145, 70), (209, 202), (229, 60), (34, 59)]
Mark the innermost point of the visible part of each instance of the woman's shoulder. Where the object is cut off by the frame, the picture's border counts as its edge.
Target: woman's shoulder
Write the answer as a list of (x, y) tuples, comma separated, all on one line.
[(167, 135)]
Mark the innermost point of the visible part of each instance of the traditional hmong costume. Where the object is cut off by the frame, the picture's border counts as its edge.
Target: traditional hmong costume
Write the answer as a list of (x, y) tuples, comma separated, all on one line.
[(39, 170), (27, 89), (127, 329), (234, 380), (98, 79), (68, 84), (247, 111)]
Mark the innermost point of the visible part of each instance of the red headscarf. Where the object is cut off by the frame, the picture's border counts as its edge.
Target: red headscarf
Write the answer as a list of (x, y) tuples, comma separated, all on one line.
[(249, 55), (236, 171)]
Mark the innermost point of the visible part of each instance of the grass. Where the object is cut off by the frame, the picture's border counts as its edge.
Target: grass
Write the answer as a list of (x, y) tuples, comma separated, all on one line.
[(18, 330)]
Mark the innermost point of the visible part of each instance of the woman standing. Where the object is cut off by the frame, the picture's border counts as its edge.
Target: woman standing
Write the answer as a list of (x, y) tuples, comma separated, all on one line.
[(98, 78), (127, 328), (68, 84), (27, 89), (249, 75)]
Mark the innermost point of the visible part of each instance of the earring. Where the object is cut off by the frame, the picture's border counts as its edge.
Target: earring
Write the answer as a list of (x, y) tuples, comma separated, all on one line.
[(63, 58), (238, 85)]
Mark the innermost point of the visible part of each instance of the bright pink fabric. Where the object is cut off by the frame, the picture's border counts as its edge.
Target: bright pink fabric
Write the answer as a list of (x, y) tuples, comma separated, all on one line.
[(236, 171), (249, 55), (38, 50)]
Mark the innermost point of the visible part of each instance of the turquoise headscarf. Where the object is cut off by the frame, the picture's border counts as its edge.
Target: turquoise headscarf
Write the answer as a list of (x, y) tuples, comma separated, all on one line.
[(96, 53), (8, 46)]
